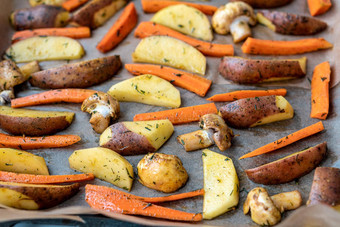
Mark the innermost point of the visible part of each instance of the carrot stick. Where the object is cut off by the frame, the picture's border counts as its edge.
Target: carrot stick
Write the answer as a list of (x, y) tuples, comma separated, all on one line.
[(43, 179), (153, 6), (75, 33), (274, 47), (242, 94), (120, 29), (298, 135), (24, 143), (119, 203), (146, 29), (317, 7), (71, 5), (189, 81), (148, 199), (180, 115), (72, 95), (320, 91)]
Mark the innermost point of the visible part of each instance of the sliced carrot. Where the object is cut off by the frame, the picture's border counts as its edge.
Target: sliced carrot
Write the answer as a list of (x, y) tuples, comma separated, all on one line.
[(298, 135), (153, 6), (44, 179), (71, 5), (72, 95), (75, 33), (189, 81), (320, 91), (180, 115), (274, 47), (317, 7), (120, 29), (146, 29), (24, 143), (242, 94), (110, 200)]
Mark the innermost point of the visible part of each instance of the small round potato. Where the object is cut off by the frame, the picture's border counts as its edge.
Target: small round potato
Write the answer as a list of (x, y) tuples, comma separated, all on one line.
[(162, 172)]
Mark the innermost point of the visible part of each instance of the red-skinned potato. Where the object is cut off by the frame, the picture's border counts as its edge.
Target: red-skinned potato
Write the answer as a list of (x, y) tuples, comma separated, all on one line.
[(265, 3)]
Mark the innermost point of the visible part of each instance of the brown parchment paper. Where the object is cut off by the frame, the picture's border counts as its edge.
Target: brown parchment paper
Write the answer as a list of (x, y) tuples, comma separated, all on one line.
[(249, 139)]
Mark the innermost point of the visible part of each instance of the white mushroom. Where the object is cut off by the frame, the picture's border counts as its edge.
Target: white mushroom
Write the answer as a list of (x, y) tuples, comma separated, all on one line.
[(234, 17), (103, 108)]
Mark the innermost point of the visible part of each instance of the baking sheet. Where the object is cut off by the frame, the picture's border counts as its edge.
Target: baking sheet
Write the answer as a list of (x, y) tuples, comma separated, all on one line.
[(249, 139)]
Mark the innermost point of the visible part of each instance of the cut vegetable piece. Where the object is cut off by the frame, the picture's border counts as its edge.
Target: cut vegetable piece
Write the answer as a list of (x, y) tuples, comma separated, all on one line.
[(221, 184), (298, 135), (317, 7), (45, 49), (29, 69), (18, 161), (179, 116), (169, 51), (146, 29), (276, 47), (189, 81), (120, 29), (71, 5), (147, 89), (242, 94), (287, 200), (185, 19), (320, 91)]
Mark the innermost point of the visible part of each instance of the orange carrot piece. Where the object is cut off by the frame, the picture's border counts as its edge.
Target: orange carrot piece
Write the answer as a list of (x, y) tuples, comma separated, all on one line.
[(153, 6), (71, 5), (274, 47), (320, 91), (44, 179), (317, 7), (119, 203), (298, 135), (180, 115), (242, 94), (120, 29), (189, 81), (72, 95), (75, 33), (146, 29), (24, 143)]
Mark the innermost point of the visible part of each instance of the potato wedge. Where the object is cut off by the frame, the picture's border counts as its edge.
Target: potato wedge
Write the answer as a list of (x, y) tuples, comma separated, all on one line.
[(326, 187), (41, 16), (147, 89), (97, 12), (185, 19), (33, 122), (77, 75), (47, 2), (137, 137), (33, 196), (45, 49), (251, 112), (290, 24), (265, 3), (169, 51), (288, 168), (18, 161), (221, 185), (252, 71), (105, 164)]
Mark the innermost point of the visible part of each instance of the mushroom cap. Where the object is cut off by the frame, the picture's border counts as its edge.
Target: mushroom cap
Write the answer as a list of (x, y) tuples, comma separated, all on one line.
[(10, 75)]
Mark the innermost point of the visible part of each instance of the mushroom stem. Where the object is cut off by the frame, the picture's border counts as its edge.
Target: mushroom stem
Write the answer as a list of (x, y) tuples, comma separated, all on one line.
[(6, 96), (240, 29), (196, 140)]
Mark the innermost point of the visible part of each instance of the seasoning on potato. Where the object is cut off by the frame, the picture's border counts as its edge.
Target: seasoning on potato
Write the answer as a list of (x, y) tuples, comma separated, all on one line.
[(162, 172)]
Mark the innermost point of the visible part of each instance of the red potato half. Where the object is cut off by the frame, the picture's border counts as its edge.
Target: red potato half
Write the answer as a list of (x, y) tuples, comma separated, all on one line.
[(288, 168)]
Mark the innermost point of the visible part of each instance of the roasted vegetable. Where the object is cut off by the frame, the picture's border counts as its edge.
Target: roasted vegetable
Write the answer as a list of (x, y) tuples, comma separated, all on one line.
[(287, 200), (47, 2), (265, 3)]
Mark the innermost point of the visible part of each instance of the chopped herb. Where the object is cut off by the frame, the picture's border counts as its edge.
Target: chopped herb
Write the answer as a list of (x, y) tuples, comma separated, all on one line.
[(180, 25), (227, 159), (171, 81), (204, 154), (231, 192), (129, 174), (165, 60), (147, 128), (8, 164), (257, 99), (125, 188), (178, 74), (148, 205), (323, 78), (156, 125), (152, 156), (65, 45), (182, 142)]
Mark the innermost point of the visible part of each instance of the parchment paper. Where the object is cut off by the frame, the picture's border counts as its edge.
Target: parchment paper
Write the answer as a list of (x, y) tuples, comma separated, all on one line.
[(249, 139)]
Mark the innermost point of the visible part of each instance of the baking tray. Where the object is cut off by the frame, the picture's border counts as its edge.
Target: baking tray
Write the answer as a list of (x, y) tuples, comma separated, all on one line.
[(249, 139)]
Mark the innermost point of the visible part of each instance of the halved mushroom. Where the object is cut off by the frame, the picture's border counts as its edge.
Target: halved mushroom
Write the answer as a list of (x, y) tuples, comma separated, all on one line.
[(234, 17), (103, 108), (215, 131)]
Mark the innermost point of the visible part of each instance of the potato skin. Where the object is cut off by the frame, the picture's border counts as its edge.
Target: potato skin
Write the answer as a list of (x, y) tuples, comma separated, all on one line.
[(41, 16), (252, 71), (292, 24), (126, 142), (265, 3), (77, 75), (325, 187), (289, 168), (162, 172)]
